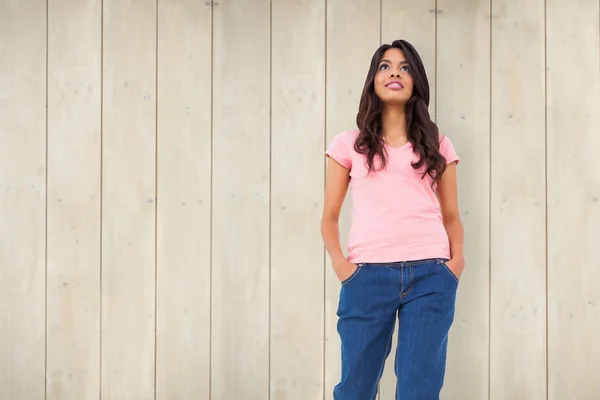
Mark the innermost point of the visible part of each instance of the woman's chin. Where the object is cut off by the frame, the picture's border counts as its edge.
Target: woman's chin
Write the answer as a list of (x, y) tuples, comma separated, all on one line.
[(394, 100)]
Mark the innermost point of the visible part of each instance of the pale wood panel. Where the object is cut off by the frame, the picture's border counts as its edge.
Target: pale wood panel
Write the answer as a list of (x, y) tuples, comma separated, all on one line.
[(128, 204), (183, 200), (414, 22), (240, 240), (297, 179), (573, 102), (463, 110), (73, 299), (353, 35), (518, 228), (22, 198)]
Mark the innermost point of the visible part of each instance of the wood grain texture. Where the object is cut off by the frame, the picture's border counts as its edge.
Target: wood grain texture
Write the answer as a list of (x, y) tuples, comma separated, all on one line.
[(518, 214), (22, 198), (128, 203), (74, 194), (414, 22), (356, 22), (573, 106), (463, 110), (241, 200), (297, 142), (184, 200)]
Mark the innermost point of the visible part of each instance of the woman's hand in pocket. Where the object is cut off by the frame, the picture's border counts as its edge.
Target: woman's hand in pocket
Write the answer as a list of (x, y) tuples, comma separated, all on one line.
[(456, 265), (344, 269)]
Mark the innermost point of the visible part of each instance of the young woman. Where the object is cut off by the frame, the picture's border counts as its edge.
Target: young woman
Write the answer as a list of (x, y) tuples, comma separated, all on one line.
[(405, 246)]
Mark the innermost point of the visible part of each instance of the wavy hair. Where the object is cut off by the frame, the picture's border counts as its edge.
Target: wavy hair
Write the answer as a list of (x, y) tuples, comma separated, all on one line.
[(422, 132)]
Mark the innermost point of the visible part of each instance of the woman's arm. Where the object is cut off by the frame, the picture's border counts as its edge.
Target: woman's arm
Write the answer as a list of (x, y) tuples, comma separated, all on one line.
[(336, 188), (448, 197)]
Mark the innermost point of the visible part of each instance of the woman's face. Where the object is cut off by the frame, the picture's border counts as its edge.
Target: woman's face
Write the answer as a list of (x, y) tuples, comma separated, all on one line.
[(393, 82)]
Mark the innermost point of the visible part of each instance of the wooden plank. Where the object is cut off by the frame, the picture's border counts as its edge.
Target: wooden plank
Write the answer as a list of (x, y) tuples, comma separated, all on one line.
[(298, 139), (463, 113), (518, 215), (343, 95), (240, 239), (128, 202), (573, 45), (414, 22), (183, 207), (22, 198), (74, 144)]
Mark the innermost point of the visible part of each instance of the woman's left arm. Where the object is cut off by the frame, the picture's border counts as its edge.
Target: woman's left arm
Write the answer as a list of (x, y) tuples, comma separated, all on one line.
[(448, 197)]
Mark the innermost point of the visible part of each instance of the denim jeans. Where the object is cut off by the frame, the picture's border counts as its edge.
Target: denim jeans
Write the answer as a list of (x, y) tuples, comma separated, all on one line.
[(422, 294)]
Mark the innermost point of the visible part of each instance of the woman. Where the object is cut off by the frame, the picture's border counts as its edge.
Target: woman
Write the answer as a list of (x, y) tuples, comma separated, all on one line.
[(405, 246)]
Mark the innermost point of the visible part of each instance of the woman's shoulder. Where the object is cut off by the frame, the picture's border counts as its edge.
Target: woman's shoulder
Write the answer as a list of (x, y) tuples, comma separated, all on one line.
[(341, 147), (447, 149), (347, 136)]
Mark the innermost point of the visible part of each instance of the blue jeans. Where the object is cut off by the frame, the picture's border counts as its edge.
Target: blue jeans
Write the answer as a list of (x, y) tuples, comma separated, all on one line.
[(422, 294)]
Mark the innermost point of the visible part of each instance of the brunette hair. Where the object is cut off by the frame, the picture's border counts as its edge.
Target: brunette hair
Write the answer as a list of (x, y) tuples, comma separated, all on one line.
[(422, 132)]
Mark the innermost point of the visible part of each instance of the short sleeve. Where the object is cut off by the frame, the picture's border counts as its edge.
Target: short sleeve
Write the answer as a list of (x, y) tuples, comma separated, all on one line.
[(339, 150), (447, 150)]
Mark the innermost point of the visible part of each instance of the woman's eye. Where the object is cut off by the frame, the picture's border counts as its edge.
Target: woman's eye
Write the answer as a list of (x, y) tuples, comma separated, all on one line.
[(382, 66)]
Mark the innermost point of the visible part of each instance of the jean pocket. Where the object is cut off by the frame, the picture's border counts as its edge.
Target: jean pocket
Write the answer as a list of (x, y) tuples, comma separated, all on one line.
[(356, 271), (452, 274)]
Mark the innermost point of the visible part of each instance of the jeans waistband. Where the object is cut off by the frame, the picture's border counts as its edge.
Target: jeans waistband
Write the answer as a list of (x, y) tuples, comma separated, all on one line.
[(397, 264)]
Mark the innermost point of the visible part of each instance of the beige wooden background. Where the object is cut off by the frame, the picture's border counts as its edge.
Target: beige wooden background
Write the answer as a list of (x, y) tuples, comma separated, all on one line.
[(161, 183)]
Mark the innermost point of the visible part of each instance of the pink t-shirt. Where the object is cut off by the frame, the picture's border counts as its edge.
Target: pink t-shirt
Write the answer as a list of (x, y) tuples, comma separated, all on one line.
[(395, 213)]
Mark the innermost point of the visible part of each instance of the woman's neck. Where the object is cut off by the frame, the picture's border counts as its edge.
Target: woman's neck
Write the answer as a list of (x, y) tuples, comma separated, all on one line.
[(393, 124)]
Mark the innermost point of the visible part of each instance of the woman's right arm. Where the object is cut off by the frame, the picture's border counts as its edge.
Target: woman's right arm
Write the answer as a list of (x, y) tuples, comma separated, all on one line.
[(336, 188)]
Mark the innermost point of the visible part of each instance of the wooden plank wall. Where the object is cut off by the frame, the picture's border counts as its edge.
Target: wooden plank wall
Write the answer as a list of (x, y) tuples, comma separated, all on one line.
[(573, 198), (161, 183), (74, 200)]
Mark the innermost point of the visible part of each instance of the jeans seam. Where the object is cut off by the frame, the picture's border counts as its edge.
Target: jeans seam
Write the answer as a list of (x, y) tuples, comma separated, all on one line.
[(410, 286), (387, 350), (450, 272), (346, 281)]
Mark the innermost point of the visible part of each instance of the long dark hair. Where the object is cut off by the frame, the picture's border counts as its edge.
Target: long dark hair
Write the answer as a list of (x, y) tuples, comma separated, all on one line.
[(422, 131)]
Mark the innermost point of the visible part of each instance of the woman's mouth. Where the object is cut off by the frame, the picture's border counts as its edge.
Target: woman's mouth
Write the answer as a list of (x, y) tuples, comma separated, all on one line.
[(394, 85)]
